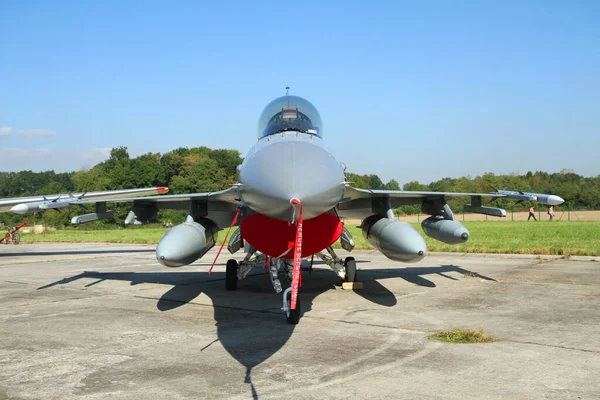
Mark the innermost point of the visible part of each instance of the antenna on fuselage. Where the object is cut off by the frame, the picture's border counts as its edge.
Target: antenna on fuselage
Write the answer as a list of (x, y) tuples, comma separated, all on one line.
[(287, 90)]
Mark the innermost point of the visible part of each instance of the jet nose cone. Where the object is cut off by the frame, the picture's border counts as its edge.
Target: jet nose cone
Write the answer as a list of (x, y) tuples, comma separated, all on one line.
[(291, 167)]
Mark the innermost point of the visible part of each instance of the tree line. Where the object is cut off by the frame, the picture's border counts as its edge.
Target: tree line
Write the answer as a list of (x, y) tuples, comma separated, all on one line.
[(200, 169)]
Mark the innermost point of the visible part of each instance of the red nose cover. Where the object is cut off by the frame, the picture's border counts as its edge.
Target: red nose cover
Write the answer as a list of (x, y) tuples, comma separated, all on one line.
[(273, 237)]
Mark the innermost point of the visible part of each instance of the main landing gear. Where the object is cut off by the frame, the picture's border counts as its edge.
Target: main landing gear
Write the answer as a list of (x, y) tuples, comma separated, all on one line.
[(235, 271), (345, 269), (231, 275), (350, 273)]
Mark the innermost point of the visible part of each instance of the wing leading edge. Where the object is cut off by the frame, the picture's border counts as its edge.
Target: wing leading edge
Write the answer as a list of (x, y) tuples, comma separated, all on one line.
[(21, 205), (360, 203), (220, 206)]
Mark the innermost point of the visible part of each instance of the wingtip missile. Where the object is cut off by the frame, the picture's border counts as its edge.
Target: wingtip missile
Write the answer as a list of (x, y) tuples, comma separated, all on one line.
[(23, 208), (548, 199), (55, 205), (514, 195)]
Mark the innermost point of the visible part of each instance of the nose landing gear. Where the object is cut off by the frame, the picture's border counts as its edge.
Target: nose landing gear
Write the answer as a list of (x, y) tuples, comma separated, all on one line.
[(292, 316)]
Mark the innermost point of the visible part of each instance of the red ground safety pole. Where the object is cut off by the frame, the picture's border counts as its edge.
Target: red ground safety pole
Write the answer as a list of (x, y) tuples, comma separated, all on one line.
[(297, 257)]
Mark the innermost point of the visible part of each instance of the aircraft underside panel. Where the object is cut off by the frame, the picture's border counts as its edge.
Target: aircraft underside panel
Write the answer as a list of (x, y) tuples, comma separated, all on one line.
[(274, 237)]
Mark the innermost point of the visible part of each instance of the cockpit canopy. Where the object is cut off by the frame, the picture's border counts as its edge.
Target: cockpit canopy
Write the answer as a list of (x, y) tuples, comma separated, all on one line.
[(290, 113)]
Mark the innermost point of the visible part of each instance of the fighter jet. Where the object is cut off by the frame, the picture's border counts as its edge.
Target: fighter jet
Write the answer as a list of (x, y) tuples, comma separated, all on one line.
[(23, 205), (288, 204)]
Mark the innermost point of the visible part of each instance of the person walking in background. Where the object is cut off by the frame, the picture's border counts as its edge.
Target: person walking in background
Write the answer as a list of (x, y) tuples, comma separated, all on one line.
[(532, 213), (551, 213)]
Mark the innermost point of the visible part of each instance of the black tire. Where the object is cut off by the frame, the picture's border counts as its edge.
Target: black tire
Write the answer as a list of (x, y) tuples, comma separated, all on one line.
[(16, 239), (231, 275), (293, 316), (351, 273)]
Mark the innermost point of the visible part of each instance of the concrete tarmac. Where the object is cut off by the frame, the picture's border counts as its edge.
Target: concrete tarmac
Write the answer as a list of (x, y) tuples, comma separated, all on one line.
[(96, 321)]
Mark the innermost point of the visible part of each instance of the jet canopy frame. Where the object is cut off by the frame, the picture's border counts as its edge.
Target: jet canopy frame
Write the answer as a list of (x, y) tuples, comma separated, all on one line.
[(290, 113)]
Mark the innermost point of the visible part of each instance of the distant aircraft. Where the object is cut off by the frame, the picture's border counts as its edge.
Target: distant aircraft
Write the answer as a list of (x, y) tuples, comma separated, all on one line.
[(23, 205), (288, 202)]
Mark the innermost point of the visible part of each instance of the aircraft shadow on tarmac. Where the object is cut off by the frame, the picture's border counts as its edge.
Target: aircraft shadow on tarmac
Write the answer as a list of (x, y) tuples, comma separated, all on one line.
[(250, 325)]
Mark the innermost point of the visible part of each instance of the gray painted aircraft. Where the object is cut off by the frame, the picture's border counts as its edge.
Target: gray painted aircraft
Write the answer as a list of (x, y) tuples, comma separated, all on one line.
[(288, 203), (28, 204)]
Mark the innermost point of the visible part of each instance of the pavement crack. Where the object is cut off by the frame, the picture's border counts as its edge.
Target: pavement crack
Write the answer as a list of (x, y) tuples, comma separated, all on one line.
[(366, 324), (40, 303), (550, 345)]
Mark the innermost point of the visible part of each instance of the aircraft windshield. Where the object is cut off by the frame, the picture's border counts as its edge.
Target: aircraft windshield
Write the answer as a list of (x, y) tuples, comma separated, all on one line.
[(290, 113)]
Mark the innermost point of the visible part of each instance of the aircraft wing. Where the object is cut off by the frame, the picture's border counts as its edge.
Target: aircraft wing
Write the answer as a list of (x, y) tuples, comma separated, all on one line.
[(22, 205), (360, 203), (408, 194), (219, 206), (228, 195)]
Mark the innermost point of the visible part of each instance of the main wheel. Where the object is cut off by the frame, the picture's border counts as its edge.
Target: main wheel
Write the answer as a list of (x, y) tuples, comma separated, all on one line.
[(231, 275), (351, 274), (16, 238), (293, 316)]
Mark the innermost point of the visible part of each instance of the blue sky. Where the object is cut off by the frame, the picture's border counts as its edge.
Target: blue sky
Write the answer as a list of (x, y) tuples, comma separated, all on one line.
[(407, 90)]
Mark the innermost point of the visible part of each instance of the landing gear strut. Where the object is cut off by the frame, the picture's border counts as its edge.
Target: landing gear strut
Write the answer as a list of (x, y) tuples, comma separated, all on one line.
[(345, 269), (235, 271)]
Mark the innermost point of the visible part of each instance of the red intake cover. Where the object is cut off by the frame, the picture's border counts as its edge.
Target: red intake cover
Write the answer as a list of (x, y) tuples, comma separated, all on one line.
[(273, 236)]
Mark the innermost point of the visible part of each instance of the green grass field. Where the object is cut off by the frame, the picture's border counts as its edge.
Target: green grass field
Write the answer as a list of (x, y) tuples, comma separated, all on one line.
[(507, 237)]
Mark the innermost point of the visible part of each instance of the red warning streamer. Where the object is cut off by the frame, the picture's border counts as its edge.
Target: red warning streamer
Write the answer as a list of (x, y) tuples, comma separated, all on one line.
[(237, 214), (297, 256)]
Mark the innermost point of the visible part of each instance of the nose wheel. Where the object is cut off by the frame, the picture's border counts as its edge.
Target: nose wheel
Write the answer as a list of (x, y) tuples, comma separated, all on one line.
[(292, 316)]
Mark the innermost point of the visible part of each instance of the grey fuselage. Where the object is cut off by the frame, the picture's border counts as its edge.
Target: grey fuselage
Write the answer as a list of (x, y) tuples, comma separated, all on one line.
[(278, 168), (291, 165)]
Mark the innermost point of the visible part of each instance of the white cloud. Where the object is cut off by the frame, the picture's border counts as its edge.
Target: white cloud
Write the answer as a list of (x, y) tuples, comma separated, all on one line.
[(37, 133), (92, 157), (41, 159), (5, 130)]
